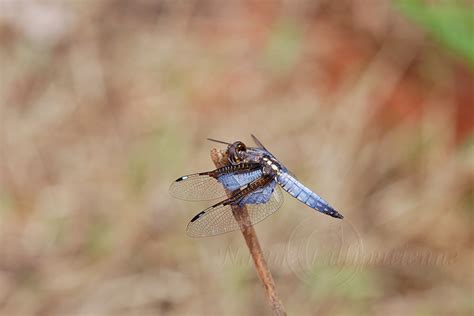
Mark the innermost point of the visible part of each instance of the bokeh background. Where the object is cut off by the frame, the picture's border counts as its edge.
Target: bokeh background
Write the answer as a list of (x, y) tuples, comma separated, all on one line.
[(105, 103)]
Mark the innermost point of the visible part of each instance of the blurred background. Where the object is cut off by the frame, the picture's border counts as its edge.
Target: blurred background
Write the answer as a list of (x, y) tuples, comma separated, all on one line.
[(105, 103)]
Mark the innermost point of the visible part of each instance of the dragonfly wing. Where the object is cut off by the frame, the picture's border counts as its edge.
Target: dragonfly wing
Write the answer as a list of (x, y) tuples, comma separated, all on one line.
[(219, 219), (233, 181), (195, 187), (210, 185), (259, 143), (259, 196), (305, 195)]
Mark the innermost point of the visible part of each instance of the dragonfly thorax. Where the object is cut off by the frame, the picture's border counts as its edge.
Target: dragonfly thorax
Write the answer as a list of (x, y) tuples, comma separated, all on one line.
[(270, 166)]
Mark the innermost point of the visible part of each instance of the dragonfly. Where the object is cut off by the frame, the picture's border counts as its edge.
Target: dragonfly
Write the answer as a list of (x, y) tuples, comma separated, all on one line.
[(253, 178)]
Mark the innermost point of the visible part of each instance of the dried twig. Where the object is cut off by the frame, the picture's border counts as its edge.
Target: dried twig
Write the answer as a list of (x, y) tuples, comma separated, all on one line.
[(242, 217)]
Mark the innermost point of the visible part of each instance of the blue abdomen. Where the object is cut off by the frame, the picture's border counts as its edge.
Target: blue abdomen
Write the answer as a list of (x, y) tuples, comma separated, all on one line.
[(305, 195)]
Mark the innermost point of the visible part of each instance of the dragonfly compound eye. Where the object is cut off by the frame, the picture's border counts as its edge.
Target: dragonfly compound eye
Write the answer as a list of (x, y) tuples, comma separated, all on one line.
[(241, 146), (236, 152)]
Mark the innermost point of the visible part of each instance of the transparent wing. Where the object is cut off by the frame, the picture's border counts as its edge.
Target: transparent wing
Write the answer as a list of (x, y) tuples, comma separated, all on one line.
[(259, 143), (210, 185), (195, 187), (219, 219)]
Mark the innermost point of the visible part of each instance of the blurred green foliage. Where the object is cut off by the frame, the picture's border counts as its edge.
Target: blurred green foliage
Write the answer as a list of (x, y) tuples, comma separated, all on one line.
[(450, 22)]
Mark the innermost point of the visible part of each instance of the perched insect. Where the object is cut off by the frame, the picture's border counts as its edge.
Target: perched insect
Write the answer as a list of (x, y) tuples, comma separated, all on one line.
[(253, 178)]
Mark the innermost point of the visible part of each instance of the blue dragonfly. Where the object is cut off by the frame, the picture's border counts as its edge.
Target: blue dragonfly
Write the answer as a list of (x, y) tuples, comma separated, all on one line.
[(252, 178)]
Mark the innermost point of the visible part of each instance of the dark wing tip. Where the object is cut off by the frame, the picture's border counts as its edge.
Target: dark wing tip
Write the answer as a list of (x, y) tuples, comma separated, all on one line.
[(180, 179), (174, 187), (197, 216)]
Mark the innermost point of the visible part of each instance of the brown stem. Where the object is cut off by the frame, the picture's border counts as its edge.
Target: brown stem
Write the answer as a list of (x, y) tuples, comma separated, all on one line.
[(242, 217)]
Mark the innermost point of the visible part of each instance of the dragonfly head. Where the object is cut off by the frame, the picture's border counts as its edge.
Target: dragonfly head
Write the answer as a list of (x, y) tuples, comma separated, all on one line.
[(237, 152)]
